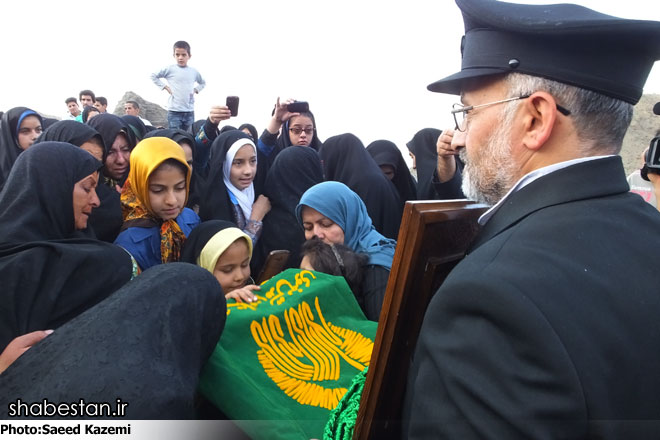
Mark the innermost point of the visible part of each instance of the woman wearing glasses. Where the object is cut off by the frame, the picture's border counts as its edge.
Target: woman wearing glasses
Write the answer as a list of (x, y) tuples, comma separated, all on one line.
[(297, 129)]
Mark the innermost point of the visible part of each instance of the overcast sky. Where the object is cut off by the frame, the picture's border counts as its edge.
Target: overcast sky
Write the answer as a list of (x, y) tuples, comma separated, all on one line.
[(363, 65)]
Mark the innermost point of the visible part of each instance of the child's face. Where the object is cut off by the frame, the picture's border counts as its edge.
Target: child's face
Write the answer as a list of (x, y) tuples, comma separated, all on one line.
[(244, 167), (28, 132), (167, 191), (181, 56), (233, 267)]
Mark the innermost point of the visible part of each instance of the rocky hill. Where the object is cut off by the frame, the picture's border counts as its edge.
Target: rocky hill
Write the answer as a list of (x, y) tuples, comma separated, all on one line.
[(154, 113), (642, 129)]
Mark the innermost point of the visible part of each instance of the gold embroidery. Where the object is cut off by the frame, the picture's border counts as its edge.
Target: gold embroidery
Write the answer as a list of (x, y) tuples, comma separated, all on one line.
[(309, 351), (276, 298), (314, 353), (242, 306)]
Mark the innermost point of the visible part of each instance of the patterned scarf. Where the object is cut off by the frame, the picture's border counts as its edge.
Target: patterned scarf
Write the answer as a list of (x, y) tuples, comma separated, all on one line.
[(136, 215), (137, 212)]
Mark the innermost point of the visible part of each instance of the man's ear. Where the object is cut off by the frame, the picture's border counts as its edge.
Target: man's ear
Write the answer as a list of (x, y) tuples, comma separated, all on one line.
[(540, 114)]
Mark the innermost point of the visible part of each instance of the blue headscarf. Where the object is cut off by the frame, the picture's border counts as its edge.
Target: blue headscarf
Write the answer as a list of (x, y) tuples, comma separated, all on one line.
[(24, 115), (340, 204)]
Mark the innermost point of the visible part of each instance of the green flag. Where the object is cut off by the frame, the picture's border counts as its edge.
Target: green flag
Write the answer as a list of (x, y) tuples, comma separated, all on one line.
[(285, 361)]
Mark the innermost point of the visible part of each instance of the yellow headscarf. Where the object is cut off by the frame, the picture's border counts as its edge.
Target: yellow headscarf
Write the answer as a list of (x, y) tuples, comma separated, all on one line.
[(219, 243), (148, 155)]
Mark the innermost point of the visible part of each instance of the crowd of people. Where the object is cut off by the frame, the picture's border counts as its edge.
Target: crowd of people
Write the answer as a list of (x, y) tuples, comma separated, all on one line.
[(128, 197), (154, 186), (527, 338)]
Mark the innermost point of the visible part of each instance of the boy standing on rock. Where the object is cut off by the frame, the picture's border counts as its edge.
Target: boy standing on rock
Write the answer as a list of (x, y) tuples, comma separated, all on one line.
[(183, 82)]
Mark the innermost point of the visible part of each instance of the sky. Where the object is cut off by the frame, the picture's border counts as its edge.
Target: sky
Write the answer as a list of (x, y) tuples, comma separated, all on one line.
[(362, 65)]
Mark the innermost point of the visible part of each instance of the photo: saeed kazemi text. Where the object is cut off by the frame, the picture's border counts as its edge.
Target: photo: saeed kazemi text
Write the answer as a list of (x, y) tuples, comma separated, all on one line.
[(77, 429), (122, 429)]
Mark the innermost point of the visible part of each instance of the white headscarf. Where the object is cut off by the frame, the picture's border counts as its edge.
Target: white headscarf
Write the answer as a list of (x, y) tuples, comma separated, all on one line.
[(246, 197)]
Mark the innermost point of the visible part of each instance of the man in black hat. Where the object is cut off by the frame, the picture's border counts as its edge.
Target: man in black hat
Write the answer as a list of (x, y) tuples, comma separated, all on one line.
[(549, 328)]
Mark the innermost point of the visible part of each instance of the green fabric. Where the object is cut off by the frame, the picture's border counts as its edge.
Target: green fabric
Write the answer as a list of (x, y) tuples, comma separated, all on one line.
[(341, 422), (284, 362)]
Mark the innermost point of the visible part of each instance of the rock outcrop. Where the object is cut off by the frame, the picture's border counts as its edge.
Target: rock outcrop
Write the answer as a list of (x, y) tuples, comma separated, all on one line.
[(154, 113), (642, 129)]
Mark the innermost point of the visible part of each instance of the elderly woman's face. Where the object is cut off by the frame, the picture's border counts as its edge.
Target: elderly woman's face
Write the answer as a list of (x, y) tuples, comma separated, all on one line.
[(118, 158), (85, 199)]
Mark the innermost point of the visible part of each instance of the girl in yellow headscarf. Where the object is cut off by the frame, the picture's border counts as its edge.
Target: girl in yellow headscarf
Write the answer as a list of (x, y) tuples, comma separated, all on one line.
[(153, 199)]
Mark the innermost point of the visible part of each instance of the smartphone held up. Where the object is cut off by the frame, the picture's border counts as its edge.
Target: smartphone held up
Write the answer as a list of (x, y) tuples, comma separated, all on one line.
[(232, 103), (298, 107)]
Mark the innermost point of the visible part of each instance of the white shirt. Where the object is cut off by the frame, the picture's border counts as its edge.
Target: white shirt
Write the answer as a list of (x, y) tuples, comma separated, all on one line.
[(144, 121)]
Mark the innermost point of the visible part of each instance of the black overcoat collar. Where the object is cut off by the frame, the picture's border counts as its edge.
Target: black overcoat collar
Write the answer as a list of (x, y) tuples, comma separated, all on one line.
[(585, 180)]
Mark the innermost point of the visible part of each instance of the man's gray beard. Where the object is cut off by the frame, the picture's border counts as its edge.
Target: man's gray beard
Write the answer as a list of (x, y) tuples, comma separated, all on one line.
[(490, 185), (468, 188)]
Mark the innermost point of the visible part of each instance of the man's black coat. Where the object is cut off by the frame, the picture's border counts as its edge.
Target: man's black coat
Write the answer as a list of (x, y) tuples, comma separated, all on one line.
[(550, 327)]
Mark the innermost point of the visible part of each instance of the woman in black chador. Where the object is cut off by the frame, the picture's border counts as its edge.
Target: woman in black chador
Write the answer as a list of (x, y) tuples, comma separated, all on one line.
[(106, 220), (388, 157), (107, 341), (50, 272), (346, 160), (19, 128), (293, 172)]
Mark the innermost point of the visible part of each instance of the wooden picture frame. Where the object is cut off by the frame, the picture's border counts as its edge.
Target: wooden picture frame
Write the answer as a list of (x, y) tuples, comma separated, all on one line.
[(433, 238)]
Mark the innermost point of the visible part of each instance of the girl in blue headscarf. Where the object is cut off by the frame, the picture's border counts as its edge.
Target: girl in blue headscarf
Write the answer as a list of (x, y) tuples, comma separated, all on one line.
[(332, 212)]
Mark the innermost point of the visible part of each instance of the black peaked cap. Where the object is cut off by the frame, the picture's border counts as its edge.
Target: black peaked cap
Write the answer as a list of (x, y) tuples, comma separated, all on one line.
[(562, 42)]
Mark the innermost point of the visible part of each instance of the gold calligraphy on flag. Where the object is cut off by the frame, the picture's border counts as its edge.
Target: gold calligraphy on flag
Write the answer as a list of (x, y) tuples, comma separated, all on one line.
[(299, 350), (312, 354)]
